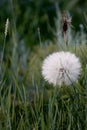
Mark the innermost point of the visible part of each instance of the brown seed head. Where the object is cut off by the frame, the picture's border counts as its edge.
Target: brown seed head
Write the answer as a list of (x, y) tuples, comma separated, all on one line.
[(65, 22)]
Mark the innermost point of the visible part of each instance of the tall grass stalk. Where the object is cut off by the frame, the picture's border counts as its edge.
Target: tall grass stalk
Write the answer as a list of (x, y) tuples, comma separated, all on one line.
[(3, 50)]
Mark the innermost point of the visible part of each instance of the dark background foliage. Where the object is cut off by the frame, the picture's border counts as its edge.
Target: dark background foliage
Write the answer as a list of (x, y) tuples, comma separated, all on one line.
[(29, 15)]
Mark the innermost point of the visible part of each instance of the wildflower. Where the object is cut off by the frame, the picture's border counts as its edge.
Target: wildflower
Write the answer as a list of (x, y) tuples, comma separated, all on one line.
[(61, 68), (6, 27)]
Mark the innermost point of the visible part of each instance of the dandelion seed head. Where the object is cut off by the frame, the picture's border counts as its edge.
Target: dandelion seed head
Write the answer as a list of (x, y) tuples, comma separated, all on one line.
[(61, 68)]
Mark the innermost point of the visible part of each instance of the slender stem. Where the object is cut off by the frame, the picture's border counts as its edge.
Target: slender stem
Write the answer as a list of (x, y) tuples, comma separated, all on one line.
[(2, 58), (39, 36), (65, 39), (3, 51)]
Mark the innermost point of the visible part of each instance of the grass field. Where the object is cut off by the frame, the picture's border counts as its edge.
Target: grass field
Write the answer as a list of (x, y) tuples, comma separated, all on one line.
[(27, 102)]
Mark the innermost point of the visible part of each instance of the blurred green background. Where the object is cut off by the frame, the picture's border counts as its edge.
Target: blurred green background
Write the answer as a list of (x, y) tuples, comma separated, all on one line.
[(29, 15)]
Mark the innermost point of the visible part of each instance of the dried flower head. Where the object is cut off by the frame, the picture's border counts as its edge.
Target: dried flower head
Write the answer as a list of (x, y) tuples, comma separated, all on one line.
[(6, 27), (65, 23), (61, 68)]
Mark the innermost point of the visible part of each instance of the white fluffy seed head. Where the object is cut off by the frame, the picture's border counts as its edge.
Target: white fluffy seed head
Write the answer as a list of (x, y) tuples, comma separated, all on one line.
[(61, 68)]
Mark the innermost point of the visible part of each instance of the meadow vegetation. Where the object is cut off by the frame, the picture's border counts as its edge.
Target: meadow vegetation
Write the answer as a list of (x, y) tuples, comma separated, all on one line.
[(27, 102)]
